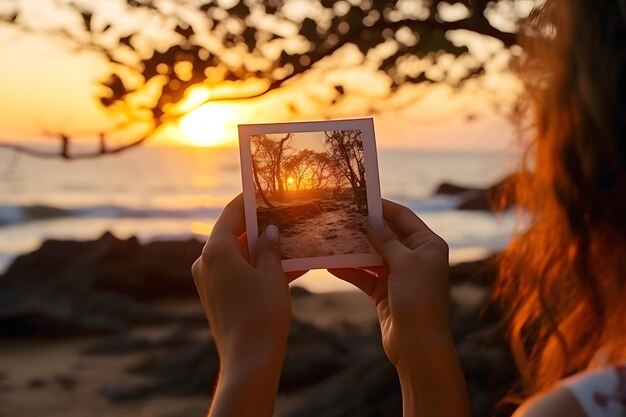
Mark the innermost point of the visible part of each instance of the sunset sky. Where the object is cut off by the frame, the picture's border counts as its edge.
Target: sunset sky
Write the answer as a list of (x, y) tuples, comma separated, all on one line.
[(47, 89)]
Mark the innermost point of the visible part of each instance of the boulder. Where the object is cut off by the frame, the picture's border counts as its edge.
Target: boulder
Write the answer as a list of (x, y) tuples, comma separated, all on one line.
[(500, 196), (70, 287)]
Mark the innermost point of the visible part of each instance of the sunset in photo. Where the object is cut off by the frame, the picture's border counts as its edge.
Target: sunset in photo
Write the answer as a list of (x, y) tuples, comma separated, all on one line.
[(196, 218)]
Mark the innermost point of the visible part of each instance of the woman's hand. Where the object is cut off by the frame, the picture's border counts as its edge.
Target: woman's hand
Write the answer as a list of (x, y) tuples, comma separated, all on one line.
[(249, 311), (411, 291), (412, 301)]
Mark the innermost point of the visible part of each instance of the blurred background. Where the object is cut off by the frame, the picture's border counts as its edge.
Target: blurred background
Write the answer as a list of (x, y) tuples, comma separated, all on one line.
[(118, 149)]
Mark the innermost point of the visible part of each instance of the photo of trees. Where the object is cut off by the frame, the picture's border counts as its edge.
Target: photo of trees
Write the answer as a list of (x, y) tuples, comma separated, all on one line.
[(312, 185)]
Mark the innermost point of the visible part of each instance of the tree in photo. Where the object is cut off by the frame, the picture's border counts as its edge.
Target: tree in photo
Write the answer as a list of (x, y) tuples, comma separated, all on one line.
[(270, 154), (169, 57), (345, 149), (299, 168)]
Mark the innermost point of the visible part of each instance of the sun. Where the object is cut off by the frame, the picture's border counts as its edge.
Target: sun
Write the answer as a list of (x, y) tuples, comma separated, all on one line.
[(211, 125)]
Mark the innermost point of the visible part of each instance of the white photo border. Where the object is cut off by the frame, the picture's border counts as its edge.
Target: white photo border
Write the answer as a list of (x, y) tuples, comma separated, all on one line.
[(374, 202)]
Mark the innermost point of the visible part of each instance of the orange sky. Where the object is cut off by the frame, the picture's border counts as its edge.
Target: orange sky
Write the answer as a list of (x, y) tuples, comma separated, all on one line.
[(46, 89)]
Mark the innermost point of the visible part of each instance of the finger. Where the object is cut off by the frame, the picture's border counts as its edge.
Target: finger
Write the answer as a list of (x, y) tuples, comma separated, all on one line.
[(387, 244), (268, 250), (362, 279), (231, 224), (402, 219)]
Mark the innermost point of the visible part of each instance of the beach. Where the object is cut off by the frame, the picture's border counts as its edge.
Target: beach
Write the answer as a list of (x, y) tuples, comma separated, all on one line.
[(100, 315), (122, 332), (55, 377)]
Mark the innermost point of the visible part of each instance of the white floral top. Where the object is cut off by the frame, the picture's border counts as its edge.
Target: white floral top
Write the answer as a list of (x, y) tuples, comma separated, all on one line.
[(600, 392)]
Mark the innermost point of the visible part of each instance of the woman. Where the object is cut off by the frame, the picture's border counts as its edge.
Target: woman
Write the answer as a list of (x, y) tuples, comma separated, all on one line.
[(562, 281)]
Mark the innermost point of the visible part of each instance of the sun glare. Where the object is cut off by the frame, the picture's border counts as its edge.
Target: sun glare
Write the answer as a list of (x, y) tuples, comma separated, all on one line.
[(210, 125)]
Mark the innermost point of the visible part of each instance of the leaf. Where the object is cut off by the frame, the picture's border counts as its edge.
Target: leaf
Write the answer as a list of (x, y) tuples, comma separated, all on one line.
[(186, 32), (87, 20), (116, 85), (340, 90), (249, 37), (422, 78), (240, 10), (125, 40), (436, 42), (106, 101), (309, 29), (389, 62)]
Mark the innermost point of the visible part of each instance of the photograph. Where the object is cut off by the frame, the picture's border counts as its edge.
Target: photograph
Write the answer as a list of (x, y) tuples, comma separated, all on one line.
[(312, 181)]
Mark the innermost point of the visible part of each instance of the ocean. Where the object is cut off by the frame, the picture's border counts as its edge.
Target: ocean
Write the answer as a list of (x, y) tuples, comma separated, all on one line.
[(158, 193)]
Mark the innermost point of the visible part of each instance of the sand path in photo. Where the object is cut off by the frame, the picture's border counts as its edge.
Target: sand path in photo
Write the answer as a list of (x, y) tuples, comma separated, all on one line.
[(328, 234)]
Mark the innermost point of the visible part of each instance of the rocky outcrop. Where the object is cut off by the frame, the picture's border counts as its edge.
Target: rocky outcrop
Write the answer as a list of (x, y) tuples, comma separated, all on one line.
[(500, 196), (71, 287), (110, 285)]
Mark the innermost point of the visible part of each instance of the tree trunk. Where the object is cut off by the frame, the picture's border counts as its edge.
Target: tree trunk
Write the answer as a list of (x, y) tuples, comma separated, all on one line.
[(259, 188)]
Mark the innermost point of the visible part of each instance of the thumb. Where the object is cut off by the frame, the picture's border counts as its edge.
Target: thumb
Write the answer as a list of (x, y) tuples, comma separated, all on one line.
[(268, 249), (386, 243)]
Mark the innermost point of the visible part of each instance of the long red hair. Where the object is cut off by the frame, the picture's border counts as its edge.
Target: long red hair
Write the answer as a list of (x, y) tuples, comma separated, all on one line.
[(562, 282)]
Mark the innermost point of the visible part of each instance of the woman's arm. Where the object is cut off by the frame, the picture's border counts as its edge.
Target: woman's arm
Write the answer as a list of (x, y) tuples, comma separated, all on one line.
[(412, 300), (432, 382), (249, 312)]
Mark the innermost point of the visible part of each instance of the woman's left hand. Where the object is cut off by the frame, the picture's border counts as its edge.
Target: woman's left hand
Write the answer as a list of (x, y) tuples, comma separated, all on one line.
[(249, 311)]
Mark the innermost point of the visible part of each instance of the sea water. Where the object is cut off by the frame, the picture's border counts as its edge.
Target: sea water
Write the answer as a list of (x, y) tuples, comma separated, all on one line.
[(158, 193)]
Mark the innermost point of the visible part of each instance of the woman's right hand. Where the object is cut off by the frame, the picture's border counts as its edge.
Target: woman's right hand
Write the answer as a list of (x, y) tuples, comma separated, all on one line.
[(411, 291), (412, 301)]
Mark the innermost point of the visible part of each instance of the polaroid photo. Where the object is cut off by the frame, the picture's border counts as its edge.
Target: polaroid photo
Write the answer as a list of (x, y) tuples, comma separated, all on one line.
[(318, 183)]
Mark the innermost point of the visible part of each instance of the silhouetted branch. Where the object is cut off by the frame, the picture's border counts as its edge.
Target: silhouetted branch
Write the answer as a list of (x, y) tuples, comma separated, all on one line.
[(139, 64)]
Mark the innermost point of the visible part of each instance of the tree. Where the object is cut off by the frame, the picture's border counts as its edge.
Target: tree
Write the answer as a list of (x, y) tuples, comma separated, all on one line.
[(246, 49), (345, 150), (298, 166), (269, 155)]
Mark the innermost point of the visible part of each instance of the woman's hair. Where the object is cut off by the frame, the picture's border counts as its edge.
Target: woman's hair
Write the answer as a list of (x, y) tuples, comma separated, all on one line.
[(562, 282)]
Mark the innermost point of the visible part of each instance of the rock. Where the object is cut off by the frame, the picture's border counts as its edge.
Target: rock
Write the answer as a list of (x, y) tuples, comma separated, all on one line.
[(482, 272), (368, 389), (309, 365), (37, 383), (66, 382), (68, 287), (447, 188), (143, 272), (187, 370), (63, 311), (500, 196), (116, 345), (121, 392)]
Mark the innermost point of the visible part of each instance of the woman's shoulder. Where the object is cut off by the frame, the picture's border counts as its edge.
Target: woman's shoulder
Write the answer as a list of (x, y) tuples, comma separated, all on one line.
[(592, 393)]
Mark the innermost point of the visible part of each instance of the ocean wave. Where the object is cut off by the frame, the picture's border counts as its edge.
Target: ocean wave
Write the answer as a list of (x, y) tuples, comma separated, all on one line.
[(435, 203), (21, 214)]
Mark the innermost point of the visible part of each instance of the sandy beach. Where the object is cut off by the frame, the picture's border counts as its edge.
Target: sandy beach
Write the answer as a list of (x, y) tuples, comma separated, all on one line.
[(122, 333), (55, 378)]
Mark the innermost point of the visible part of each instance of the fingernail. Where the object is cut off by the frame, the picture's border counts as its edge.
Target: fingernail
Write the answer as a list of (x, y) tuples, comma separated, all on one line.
[(376, 223), (272, 233)]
